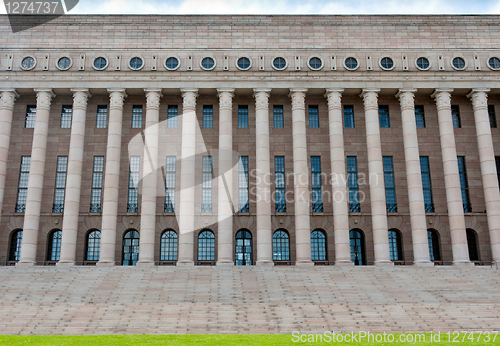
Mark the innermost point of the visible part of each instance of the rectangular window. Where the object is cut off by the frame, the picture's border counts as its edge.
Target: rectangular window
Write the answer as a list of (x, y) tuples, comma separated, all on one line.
[(66, 116), (426, 184), (242, 116), (383, 114), (493, 117), (170, 185), (102, 115), (206, 197), (497, 160), (172, 113), (349, 117), (29, 122), (317, 200), (208, 117), (133, 184), (97, 173), (243, 185), (62, 166), (279, 181), (278, 117), (137, 117), (464, 184), (420, 117), (313, 117), (455, 116), (22, 186), (390, 186), (352, 178)]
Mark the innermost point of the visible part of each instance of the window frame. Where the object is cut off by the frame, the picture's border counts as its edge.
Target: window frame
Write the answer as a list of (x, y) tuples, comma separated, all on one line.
[(391, 207), (278, 117)]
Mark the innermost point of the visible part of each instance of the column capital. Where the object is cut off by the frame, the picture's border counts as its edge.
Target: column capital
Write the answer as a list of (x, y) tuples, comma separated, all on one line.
[(116, 97), (298, 90), (334, 98), (479, 98), (441, 91), (406, 98), (44, 98), (187, 90), (478, 90), (189, 99), (225, 98), (13, 91), (403, 91), (8, 98), (334, 90), (261, 90), (370, 98), (298, 97), (47, 90), (80, 98), (152, 90), (153, 97), (225, 90), (83, 90), (261, 98), (368, 91), (443, 98)]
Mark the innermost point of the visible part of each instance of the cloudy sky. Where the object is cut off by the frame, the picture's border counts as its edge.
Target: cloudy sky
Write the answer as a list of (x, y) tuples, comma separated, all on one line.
[(285, 7)]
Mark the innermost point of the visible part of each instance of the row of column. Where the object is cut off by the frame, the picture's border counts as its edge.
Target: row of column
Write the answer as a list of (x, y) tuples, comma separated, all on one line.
[(301, 185)]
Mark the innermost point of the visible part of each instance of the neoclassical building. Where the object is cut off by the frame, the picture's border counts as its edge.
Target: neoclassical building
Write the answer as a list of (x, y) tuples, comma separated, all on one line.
[(250, 140)]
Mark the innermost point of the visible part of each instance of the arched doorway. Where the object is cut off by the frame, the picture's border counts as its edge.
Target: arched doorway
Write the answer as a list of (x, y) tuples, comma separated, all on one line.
[(130, 248), (434, 247), (357, 240), (243, 253), (395, 245), (281, 245), (318, 245), (472, 244)]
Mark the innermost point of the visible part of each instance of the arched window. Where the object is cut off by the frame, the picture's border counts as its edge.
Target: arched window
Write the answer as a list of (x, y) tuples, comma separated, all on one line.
[(168, 246), (15, 245), (395, 247), (281, 245), (93, 245), (130, 248), (472, 244), (206, 246), (243, 248), (318, 245), (357, 240), (433, 240), (54, 250)]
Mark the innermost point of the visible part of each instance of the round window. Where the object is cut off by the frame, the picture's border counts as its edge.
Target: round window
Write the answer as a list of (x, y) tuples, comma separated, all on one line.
[(64, 63), (351, 63), (494, 63), (387, 63), (423, 63), (100, 63), (459, 63), (279, 63), (315, 63), (244, 63), (207, 63), (28, 63), (172, 63), (136, 63)]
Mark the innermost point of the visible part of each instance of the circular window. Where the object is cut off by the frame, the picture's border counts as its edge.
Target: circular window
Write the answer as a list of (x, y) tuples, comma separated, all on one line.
[(387, 63), (64, 63), (100, 63), (172, 63), (279, 63), (207, 63), (28, 63), (244, 63), (351, 63), (494, 63), (315, 63), (136, 63), (423, 63), (459, 63)]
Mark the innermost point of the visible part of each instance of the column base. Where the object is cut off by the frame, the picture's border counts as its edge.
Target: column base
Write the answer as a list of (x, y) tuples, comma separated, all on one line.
[(105, 264), (304, 263), (463, 264), (344, 263), (65, 263), (25, 264), (384, 263), (265, 263), (423, 264), (145, 263), (225, 263), (185, 263)]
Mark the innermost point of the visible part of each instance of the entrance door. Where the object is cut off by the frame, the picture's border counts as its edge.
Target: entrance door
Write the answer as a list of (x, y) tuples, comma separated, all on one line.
[(130, 248), (357, 247), (243, 248)]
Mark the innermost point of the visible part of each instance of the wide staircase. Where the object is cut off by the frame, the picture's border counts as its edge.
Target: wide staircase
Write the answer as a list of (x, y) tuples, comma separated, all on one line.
[(137, 300)]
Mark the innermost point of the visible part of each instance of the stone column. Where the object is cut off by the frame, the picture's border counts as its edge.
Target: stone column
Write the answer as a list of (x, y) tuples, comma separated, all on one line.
[(225, 207), (149, 179), (112, 178), (188, 173), (35, 182), (74, 178), (376, 178), (488, 168), (263, 180), (6, 111), (414, 179), (301, 179), (340, 195), (452, 178)]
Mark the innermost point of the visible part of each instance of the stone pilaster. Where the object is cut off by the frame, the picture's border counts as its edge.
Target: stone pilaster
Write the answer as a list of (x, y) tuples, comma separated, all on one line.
[(301, 179), (414, 179), (263, 168), (112, 178), (225, 178), (451, 178), (376, 174), (188, 172), (74, 178), (479, 99), (338, 169), (149, 178), (35, 182)]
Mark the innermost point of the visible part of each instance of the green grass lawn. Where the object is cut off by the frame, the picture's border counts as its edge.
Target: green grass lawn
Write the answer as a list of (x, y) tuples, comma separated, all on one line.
[(260, 340)]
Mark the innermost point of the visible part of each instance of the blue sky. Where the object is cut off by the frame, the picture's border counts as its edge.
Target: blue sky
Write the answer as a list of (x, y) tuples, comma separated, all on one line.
[(286, 7)]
